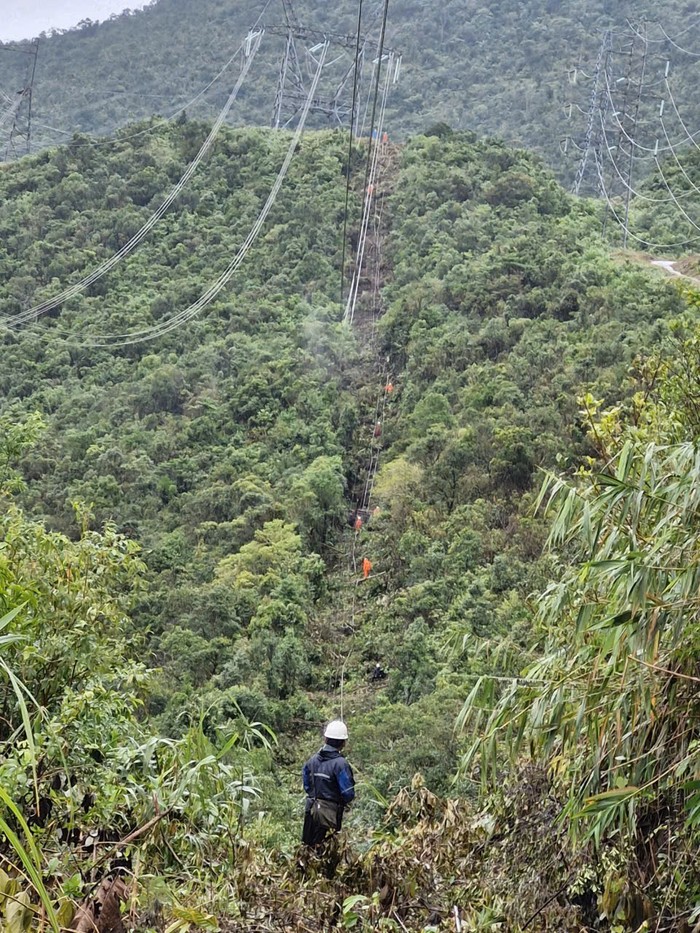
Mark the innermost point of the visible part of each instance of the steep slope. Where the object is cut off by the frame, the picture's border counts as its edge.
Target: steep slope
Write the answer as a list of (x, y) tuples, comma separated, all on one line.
[(229, 448), (500, 69)]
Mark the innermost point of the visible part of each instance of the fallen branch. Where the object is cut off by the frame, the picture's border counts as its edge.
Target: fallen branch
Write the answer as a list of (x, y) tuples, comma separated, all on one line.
[(132, 836), (548, 902)]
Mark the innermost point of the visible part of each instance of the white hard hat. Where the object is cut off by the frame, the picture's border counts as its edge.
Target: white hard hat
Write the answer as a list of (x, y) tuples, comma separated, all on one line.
[(336, 730)]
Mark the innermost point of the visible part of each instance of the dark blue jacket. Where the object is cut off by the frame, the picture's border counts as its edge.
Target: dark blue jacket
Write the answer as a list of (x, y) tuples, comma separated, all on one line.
[(328, 776)]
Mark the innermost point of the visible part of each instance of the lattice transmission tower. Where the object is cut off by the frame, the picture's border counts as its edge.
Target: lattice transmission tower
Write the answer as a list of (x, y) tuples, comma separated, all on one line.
[(335, 101), (16, 112), (610, 146), (597, 109), (626, 117)]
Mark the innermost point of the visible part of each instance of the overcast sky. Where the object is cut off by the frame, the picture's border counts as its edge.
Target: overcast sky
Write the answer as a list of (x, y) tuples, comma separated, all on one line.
[(24, 19)]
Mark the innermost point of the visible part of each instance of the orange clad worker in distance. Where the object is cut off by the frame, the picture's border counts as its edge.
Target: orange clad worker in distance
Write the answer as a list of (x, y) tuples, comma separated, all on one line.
[(366, 567)]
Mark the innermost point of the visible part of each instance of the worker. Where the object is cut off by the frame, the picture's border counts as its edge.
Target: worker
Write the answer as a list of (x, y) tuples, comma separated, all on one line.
[(358, 523), (329, 785), (378, 673), (366, 567), (378, 429)]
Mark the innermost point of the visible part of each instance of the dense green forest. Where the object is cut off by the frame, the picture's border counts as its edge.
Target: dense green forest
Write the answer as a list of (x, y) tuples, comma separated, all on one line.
[(181, 601), (517, 70)]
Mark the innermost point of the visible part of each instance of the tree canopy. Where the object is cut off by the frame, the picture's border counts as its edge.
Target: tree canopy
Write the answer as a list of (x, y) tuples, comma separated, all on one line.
[(181, 564)]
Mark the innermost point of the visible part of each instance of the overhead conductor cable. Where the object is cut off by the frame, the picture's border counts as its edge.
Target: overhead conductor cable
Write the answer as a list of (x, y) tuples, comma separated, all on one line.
[(73, 290), (621, 222), (350, 150), (370, 179), (182, 317), (372, 161), (680, 165), (118, 138)]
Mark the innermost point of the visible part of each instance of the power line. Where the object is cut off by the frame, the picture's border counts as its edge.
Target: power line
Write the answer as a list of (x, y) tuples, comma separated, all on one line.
[(630, 190), (10, 112), (22, 125), (31, 97), (370, 180), (184, 316), (635, 119), (380, 58), (626, 122), (675, 199), (602, 103), (350, 151), (117, 139), (594, 106), (106, 266), (678, 161), (615, 113), (291, 82), (621, 223), (675, 44), (667, 38), (625, 182), (691, 136), (372, 151)]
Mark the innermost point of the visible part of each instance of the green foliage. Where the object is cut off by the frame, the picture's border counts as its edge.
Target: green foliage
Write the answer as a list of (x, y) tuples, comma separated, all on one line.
[(80, 767), (623, 694), (233, 452), (610, 705), (76, 596), (661, 215), (499, 312), (197, 454), (15, 438), (17, 906)]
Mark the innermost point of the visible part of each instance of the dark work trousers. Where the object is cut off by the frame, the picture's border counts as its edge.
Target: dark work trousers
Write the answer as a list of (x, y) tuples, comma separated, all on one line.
[(320, 820)]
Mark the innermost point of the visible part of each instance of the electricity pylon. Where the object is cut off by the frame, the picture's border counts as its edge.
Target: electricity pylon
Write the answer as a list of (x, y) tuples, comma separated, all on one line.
[(301, 45), (19, 141), (596, 110)]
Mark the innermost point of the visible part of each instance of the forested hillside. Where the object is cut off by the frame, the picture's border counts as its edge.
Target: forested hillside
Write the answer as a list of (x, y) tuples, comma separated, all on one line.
[(518, 70), (182, 589)]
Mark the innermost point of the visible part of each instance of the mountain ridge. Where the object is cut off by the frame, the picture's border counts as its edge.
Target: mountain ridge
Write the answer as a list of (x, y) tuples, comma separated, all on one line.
[(513, 81)]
